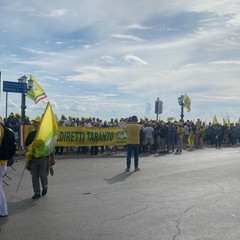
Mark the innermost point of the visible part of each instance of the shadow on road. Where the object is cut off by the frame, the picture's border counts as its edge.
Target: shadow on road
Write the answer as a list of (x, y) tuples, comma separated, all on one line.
[(118, 178)]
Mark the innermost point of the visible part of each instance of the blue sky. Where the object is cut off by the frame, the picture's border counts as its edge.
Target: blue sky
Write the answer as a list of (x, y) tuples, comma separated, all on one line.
[(112, 59)]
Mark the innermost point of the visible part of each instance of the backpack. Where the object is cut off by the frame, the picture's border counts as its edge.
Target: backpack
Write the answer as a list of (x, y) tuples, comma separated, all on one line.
[(8, 144)]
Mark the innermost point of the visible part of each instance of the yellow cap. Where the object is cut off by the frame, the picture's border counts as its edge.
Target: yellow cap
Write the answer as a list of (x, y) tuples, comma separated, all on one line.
[(37, 119)]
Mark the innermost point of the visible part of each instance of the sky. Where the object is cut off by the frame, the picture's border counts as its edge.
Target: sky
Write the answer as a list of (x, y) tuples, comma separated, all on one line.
[(114, 58)]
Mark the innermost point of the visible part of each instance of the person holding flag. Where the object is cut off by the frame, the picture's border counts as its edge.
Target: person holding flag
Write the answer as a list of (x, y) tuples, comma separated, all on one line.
[(40, 145)]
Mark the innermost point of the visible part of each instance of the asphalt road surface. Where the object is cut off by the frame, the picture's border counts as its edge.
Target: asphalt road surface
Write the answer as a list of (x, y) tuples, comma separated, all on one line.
[(190, 196)]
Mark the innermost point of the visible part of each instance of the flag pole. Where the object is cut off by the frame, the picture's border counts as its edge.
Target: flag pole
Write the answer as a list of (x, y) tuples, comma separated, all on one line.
[(20, 179)]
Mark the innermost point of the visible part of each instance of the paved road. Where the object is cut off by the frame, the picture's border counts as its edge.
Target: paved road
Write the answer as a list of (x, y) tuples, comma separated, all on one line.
[(192, 196)]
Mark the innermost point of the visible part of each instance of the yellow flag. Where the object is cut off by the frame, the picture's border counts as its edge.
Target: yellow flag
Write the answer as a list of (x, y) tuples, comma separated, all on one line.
[(224, 121), (187, 102), (229, 123), (215, 121), (170, 119), (36, 93), (191, 140), (46, 136)]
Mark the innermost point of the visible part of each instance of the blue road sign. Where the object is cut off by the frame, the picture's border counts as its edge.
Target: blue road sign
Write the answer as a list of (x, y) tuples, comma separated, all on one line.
[(14, 87)]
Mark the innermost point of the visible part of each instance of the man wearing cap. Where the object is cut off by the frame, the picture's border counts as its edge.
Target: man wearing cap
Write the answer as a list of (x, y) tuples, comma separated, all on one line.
[(39, 167), (133, 141), (13, 123)]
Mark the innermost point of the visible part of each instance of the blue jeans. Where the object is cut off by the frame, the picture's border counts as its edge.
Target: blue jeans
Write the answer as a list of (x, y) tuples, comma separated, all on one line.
[(132, 148)]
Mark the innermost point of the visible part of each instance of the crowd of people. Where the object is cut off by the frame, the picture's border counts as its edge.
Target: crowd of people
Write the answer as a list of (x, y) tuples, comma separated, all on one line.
[(143, 136), (156, 136)]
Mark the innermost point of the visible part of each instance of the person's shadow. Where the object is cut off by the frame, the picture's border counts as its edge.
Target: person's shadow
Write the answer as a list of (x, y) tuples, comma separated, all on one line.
[(15, 208), (118, 178), (3, 221)]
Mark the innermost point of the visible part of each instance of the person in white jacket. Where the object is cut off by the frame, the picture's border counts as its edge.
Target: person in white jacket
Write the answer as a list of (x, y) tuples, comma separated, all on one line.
[(3, 169), (149, 137)]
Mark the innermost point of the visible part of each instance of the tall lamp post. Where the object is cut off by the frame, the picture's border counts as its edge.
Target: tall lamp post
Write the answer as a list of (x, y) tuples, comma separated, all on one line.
[(181, 103), (29, 85)]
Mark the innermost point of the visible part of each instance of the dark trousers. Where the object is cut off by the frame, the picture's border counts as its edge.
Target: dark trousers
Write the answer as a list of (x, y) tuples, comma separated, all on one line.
[(218, 141), (39, 171), (132, 148), (59, 150), (94, 150)]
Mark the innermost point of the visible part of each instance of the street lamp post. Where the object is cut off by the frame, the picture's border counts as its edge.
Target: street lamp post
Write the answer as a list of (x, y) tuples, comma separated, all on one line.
[(181, 103), (23, 79)]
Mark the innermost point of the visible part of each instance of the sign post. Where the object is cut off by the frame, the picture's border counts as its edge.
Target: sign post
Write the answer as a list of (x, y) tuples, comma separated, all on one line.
[(14, 87), (158, 107), (6, 107)]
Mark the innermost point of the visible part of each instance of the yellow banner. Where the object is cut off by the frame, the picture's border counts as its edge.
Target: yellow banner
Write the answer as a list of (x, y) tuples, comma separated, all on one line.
[(81, 136)]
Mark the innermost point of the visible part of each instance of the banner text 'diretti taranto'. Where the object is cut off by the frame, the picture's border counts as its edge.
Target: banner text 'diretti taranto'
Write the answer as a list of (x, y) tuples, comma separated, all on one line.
[(81, 136)]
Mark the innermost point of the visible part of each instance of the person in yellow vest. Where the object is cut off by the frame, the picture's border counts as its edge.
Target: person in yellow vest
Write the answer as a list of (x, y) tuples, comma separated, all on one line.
[(3, 169), (191, 138), (180, 136), (133, 141)]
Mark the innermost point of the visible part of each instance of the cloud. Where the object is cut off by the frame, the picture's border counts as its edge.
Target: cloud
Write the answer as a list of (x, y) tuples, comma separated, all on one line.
[(57, 13), (94, 57), (138, 27), (106, 76), (134, 59), (226, 62), (127, 37), (108, 59), (235, 21), (12, 104), (38, 52)]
